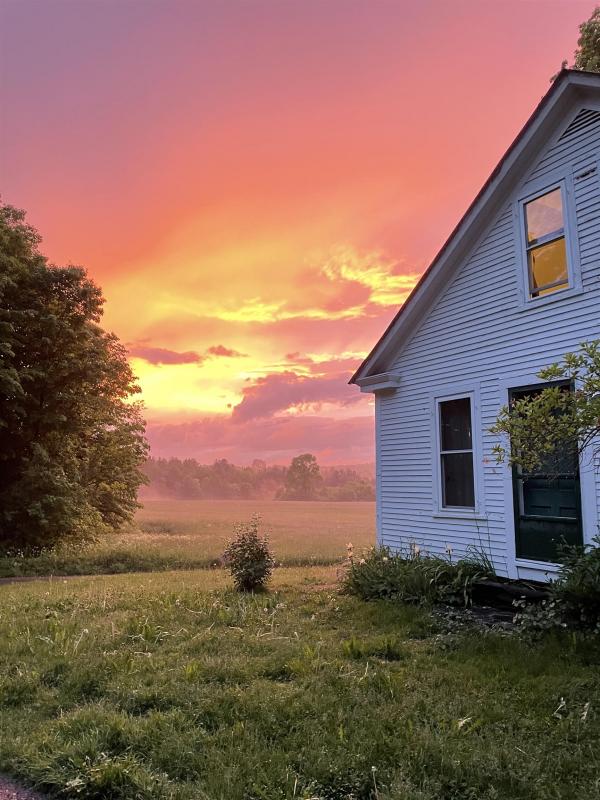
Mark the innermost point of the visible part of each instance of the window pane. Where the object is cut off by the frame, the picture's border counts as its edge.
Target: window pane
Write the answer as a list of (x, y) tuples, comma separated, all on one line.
[(455, 424), (544, 216), (457, 480), (548, 265)]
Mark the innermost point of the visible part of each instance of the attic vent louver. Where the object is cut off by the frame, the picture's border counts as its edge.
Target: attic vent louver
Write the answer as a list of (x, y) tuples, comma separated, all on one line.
[(585, 119)]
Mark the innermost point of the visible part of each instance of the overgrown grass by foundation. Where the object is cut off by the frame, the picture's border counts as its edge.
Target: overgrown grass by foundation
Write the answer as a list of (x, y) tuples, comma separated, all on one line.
[(411, 578), (173, 686)]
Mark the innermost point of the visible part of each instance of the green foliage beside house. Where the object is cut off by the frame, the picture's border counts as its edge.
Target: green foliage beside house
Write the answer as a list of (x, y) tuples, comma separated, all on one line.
[(551, 426)]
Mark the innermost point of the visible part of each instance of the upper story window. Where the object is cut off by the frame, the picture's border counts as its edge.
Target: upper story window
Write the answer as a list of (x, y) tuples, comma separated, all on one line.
[(547, 261)]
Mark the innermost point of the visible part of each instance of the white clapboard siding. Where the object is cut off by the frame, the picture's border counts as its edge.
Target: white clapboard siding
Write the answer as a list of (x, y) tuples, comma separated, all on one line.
[(477, 334)]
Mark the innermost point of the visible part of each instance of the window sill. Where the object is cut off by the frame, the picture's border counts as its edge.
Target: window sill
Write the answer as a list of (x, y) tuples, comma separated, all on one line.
[(474, 515), (543, 566), (563, 294)]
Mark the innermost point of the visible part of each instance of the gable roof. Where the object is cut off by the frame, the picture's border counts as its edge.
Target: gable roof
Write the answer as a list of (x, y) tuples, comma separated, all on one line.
[(569, 86)]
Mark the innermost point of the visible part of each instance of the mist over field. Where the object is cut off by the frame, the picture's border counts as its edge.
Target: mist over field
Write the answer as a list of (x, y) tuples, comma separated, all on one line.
[(303, 479)]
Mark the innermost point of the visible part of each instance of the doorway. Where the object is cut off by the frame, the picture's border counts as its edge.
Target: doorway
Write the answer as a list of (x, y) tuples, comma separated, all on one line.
[(547, 504)]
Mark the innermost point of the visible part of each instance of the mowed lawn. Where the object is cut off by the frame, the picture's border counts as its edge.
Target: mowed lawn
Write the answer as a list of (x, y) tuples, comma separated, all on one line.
[(173, 686), (189, 534)]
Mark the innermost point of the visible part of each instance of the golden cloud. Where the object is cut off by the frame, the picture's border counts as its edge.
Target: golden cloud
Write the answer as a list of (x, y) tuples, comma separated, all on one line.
[(381, 275)]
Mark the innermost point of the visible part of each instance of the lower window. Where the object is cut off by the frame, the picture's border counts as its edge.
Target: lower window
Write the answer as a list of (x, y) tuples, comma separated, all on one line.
[(456, 453)]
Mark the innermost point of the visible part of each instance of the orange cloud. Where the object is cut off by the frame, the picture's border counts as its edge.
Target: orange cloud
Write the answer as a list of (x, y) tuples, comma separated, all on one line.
[(387, 284)]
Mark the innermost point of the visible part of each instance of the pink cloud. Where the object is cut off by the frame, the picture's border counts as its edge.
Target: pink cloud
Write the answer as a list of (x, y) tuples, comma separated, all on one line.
[(276, 440), (339, 366), (285, 390), (315, 288), (331, 365), (224, 352), (333, 335), (298, 358), (161, 355)]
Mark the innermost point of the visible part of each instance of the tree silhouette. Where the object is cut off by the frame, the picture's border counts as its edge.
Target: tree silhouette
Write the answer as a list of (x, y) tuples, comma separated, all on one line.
[(303, 480)]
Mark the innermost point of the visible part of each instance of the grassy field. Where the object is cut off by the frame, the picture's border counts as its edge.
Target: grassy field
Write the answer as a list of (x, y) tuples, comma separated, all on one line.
[(180, 534), (172, 686), (300, 532)]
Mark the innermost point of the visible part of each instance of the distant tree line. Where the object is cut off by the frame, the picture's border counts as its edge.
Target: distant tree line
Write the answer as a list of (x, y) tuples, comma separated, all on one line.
[(186, 479)]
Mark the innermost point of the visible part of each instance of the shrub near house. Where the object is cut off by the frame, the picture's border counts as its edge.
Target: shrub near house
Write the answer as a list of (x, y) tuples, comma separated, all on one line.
[(413, 578)]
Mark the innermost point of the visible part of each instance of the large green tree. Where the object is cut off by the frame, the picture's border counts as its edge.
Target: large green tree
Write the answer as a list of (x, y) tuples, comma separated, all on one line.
[(71, 438)]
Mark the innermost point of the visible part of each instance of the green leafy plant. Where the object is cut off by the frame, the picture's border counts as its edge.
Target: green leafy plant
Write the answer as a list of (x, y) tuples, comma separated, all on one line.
[(577, 590), (544, 426), (587, 55), (574, 600), (249, 557), (412, 577), (537, 619)]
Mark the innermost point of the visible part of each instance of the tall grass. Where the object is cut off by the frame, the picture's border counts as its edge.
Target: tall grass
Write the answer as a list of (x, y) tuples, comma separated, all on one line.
[(172, 535)]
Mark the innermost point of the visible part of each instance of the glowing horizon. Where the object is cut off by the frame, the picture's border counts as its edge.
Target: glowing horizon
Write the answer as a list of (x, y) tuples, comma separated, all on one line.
[(257, 186)]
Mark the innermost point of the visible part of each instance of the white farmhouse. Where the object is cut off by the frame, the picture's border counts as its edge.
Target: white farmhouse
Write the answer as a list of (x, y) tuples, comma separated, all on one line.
[(515, 287)]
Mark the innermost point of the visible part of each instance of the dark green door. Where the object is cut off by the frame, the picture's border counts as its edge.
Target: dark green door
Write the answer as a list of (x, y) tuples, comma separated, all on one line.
[(547, 507)]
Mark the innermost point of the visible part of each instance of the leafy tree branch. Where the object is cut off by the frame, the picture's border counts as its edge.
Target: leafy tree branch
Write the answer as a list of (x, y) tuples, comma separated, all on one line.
[(546, 429)]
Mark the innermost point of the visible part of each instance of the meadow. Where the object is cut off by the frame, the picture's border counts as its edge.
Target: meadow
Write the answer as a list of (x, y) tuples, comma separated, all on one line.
[(300, 532), (191, 534), (172, 686)]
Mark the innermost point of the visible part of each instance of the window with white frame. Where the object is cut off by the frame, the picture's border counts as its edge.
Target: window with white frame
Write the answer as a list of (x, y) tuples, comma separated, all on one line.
[(456, 453), (545, 243)]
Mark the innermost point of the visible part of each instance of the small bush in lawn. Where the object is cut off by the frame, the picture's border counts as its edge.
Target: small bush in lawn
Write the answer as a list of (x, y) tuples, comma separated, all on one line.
[(249, 557), (412, 578)]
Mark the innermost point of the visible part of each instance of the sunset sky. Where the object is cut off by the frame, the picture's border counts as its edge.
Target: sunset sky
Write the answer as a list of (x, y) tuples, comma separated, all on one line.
[(258, 184)]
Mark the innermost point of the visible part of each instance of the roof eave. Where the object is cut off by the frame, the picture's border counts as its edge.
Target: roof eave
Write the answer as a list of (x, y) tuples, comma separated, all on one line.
[(466, 231), (384, 382)]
